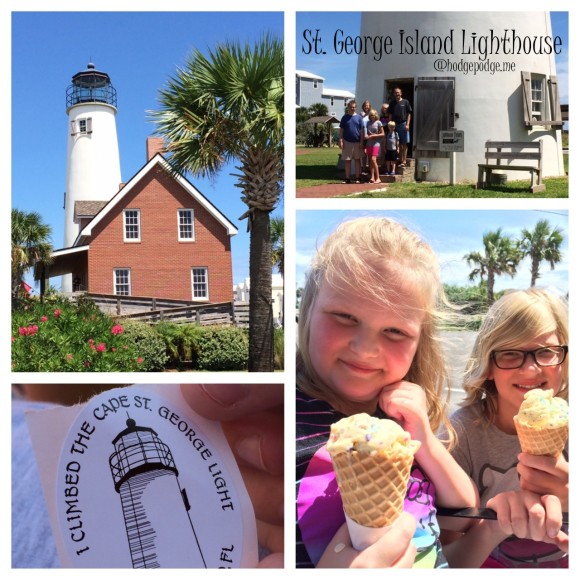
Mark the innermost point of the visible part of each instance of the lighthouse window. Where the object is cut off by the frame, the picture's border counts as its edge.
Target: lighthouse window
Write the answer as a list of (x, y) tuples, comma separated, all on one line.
[(132, 225), (122, 281), (86, 125), (537, 99), (185, 230), (541, 100), (199, 282)]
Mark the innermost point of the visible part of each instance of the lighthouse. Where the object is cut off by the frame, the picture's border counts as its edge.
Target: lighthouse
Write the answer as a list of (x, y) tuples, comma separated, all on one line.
[(156, 509), (93, 165), (489, 75)]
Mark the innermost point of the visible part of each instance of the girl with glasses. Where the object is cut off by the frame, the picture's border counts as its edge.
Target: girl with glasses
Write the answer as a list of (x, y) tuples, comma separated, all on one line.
[(522, 345)]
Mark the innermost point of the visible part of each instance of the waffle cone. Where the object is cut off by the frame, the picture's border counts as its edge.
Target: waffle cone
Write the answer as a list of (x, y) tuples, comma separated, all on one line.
[(372, 486), (542, 441)]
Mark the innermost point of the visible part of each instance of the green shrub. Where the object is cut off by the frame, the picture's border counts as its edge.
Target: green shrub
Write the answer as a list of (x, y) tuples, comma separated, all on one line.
[(180, 341), (221, 348), (149, 345), (59, 335)]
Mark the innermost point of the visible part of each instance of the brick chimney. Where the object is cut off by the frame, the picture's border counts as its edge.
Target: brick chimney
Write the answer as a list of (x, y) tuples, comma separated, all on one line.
[(154, 146)]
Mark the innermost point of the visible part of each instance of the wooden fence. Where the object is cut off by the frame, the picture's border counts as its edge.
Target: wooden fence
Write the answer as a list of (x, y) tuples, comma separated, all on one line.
[(179, 311)]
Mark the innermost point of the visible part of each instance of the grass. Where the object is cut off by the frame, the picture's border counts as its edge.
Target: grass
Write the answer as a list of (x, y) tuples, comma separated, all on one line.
[(318, 167)]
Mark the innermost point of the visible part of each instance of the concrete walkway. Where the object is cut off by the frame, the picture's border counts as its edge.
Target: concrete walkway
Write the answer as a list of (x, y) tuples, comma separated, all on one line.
[(339, 189)]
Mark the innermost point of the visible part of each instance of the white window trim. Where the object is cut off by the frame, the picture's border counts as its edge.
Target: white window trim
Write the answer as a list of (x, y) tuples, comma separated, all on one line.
[(192, 213), (115, 270), (200, 298), (551, 113), (125, 238)]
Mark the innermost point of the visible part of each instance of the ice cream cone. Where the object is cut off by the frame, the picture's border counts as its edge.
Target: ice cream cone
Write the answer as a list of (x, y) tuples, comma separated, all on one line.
[(548, 441), (372, 460), (542, 423), (372, 487)]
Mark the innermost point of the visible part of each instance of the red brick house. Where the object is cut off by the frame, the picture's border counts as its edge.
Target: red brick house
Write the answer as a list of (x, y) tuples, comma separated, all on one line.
[(157, 237)]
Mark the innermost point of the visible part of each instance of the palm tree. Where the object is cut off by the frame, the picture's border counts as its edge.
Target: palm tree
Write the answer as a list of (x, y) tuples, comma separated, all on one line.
[(501, 256), (318, 110), (541, 244), (277, 238), (224, 107), (30, 244)]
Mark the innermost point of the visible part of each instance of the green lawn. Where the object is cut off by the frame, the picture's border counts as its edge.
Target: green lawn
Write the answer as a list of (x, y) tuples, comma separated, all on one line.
[(318, 167)]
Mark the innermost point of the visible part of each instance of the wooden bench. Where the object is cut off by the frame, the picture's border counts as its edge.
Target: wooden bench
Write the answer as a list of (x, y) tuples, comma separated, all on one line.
[(508, 151)]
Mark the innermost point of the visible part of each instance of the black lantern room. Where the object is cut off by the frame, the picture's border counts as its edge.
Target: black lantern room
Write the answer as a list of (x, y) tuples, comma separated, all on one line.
[(91, 86)]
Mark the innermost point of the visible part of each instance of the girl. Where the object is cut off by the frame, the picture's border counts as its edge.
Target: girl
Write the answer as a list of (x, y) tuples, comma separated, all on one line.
[(522, 345), (374, 134), (391, 148), (367, 343)]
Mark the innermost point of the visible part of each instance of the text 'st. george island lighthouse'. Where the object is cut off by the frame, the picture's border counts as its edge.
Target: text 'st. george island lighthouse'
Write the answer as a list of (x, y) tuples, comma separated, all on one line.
[(93, 165)]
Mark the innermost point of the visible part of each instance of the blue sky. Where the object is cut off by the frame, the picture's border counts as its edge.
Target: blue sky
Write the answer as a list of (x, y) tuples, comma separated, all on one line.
[(339, 70), (451, 233), (139, 51)]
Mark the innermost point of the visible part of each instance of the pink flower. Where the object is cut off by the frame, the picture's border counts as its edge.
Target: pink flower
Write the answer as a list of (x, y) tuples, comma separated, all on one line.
[(91, 341), (69, 356), (44, 319), (13, 338), (93, 347), (57, 313), (117, 329), (113, 349), (22, 331), (101, 347), (32, 330), (87, 363), (140, 360)]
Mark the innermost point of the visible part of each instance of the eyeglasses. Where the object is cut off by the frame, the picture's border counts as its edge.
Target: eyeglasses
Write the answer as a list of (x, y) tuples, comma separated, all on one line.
[(546, 356)]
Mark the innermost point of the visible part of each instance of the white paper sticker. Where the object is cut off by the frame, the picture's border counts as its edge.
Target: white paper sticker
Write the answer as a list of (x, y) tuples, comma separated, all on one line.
[(144, 482)]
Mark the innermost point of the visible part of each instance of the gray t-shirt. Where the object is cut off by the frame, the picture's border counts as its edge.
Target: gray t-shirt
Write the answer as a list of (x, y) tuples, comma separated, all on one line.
[(489, 457)]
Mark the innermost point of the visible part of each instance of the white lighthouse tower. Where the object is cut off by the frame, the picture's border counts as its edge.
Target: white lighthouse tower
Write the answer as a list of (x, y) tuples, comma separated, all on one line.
[(491, 75), (93, 166)]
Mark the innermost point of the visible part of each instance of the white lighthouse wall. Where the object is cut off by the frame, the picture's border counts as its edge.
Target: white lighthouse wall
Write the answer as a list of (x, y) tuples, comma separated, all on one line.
[(94, 170), (489, 106)]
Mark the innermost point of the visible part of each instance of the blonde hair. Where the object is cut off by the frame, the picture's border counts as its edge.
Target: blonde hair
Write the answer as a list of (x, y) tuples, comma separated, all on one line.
[(373, 113), (517, 318), (354, 258)]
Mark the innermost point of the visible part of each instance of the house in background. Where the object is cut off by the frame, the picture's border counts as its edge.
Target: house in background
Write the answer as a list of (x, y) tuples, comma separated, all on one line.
[(242, 295), (310, 90), (157, 237)]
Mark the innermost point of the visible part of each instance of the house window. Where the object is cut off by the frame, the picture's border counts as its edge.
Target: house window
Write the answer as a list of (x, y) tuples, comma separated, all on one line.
[(132, 225), (332, 101), (315, 84), (185, 230), (122, 281), (200, 289), (541, 100)]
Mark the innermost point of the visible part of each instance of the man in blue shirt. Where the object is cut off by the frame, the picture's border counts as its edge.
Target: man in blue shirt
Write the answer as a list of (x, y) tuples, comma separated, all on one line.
[(351, 141)]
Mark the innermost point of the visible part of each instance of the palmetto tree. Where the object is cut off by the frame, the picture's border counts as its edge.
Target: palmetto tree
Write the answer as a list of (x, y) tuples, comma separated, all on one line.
[(541, 244), (30, 244), (228, 106), (501, 256)]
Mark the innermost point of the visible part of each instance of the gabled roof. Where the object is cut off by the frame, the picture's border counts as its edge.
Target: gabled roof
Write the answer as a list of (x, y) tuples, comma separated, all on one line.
[(88, 208), (308, 75), (158, 159), (337, 93)]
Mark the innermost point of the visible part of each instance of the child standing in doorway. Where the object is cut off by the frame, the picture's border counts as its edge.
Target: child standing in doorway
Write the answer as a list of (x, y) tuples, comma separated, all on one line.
[(367, 343), (521, 346), (391, 148)]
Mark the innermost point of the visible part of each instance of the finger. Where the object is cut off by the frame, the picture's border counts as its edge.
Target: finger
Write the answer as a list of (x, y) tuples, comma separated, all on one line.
[(225, 402), (553, 509), (553, 465), (560, 541), (258, 441), (270, 537), (536, 517), (393, 549), (266, 493), (502, 508)]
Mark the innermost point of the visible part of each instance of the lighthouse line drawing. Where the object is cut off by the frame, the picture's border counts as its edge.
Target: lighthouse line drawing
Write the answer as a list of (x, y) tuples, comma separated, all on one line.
[(155, 507), (93, 163)]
